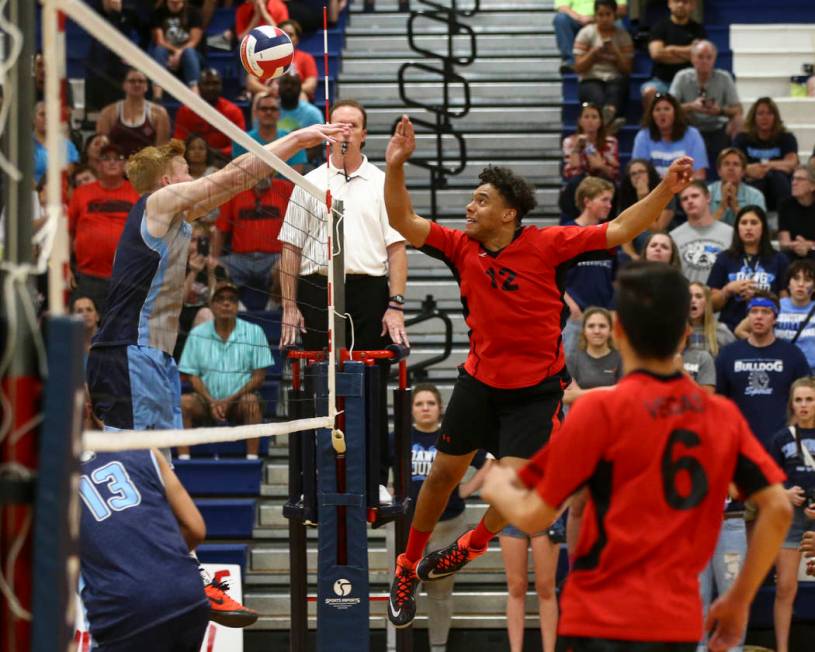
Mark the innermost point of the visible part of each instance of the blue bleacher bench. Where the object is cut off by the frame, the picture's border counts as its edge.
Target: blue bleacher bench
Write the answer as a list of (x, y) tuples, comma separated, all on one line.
[(228, 518), (235, 477)]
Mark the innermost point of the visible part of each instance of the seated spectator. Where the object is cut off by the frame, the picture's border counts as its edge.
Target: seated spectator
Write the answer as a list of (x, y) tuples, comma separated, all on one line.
[(701, 238), (660, 248), (699, 365), (92, 152), (134, 123), (303, 65), (254, 13), (749, 265), (796, 215), (188, 122), (595, 362), (84, 307), (40, 151), (178, 44), (795, 323), (266, 112), (590, 151), (709, 98), (81, 175), (96, 218), (590, 277), (226, 360), (793, 448), (666, 136), (296, 113), (708, 333), (669, 47), (604, 54), (729, 194), (103, 66), (771, 150), (198, 285), (639, 178), (571, 17), (200, 163), (253, 219)]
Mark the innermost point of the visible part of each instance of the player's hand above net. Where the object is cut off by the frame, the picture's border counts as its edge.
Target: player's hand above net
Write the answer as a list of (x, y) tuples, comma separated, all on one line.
[(679, 175), (402, 144)]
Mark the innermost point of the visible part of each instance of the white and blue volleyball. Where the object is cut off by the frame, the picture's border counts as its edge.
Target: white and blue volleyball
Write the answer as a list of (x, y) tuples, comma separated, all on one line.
[(266, 52)]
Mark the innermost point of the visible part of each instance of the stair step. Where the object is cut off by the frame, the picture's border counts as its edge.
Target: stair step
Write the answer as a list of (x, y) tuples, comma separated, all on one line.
[(529, 42), (431, 93), (484, 22), (494, 69), (532, 118)]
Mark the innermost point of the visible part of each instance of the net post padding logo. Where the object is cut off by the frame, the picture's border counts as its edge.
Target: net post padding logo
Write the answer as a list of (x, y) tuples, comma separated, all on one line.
[(342, 589)]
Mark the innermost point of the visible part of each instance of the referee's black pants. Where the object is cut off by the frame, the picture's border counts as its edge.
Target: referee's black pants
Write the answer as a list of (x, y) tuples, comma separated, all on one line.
[(366, 299)]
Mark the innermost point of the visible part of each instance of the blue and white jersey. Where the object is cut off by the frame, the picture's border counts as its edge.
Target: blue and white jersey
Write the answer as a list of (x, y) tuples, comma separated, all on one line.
[(136, 571), (147, 285)]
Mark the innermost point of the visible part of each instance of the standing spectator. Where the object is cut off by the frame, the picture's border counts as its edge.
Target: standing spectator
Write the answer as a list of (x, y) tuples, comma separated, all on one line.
[(226, 359), (771, 150), (134, 123), (794, 449), (595, 362), (757, 373), (590, 151), (729, 194), (375, 274), (639, 178), (796, 215), (427, 409), (253, 218), (667, 136), (708, 333), (701, 238), (709, 98), (669, 48), (795, 323), (92, 152), (303, 65), (571, 17), (267, 112), (604, 54), (660, 248), (748, 266), (177, 34), (590, 276), (699, 365), (188, 122), (41, 153), (96, 218)]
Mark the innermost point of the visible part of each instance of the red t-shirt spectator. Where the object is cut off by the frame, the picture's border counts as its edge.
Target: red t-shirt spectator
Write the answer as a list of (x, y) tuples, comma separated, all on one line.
[(243, 15), (188, 122), (96, 219), (255, 219), (304, 65)]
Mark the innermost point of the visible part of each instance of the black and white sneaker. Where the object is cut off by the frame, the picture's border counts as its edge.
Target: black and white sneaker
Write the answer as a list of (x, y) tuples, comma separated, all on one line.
[(402, 601)]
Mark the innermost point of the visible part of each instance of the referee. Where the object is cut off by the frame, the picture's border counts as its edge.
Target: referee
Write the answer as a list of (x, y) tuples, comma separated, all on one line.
[(375, 256)]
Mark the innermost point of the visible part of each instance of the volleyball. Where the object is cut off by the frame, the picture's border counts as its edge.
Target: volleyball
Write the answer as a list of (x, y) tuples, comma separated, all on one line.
[(266, 52)]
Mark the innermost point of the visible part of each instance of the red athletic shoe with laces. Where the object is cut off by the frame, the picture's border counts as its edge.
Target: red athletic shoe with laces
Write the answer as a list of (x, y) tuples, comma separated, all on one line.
[(449, 560), (402, 602), (226, 611)]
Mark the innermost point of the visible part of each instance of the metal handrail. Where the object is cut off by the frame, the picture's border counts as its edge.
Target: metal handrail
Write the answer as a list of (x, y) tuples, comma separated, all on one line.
[(430, 311)]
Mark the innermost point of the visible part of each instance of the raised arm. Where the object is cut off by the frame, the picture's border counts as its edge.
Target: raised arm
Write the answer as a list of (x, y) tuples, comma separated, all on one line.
[(197, 198), (397, 199), (638, 217)]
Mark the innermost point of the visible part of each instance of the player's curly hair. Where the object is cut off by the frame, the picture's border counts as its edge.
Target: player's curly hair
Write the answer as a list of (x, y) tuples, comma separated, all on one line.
[(146, 167), (516, 191)]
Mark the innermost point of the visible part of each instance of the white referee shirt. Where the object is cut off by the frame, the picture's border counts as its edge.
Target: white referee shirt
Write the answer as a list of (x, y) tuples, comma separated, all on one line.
[(367, 232)]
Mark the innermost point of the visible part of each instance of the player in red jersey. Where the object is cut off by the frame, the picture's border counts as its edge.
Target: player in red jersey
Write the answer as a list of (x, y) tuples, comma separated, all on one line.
[(657, 454), (507, 397)]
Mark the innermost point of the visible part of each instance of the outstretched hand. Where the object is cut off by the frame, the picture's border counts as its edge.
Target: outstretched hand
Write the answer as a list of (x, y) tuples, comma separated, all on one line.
[(402, 143), (318, 134), (679, 175)]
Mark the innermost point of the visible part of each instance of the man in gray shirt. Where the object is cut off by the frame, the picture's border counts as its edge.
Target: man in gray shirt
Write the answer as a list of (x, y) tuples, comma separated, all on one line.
[(708, 96), (701, 238)]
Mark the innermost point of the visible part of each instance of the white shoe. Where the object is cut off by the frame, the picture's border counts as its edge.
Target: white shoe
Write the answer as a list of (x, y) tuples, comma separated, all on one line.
[(385, 497)]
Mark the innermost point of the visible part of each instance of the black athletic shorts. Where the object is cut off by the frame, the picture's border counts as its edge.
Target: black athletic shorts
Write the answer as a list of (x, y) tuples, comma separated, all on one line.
[(579, 644), (505, 422)]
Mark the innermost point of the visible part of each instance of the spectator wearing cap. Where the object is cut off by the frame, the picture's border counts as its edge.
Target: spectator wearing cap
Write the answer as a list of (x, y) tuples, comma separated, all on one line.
[(266, 112), (796, 215), (709, 98), (96, 218), (188, 122), (729, 193), (226, 361)]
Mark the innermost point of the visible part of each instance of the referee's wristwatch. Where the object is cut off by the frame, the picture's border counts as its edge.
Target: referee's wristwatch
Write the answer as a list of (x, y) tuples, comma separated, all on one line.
[(397, 302)]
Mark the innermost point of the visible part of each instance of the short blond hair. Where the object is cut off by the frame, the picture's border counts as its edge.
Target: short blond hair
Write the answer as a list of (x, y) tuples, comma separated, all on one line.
[(146, 167), (590, 188)]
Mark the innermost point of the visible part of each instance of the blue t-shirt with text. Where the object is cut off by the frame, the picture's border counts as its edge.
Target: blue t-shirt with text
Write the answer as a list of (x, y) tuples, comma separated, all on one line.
[(662, 153), (590, 277), (789, 322), (787, 451)]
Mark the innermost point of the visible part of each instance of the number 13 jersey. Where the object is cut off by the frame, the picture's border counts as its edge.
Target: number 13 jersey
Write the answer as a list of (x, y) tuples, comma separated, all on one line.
[(657, 454), (512, 298)]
